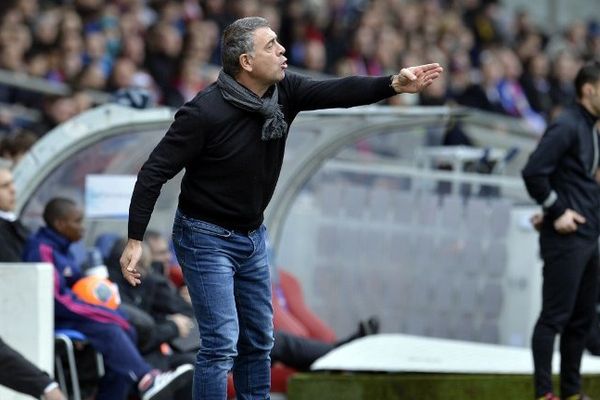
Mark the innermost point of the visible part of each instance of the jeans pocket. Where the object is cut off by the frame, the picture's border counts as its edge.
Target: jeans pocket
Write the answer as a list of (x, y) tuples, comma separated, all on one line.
[(209, 229)]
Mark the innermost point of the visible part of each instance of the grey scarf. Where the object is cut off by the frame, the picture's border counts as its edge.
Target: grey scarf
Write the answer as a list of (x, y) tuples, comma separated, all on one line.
[(275, 125)]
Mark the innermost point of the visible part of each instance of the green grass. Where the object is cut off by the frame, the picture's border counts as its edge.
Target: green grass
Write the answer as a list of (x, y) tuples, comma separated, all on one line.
[(367, 386)]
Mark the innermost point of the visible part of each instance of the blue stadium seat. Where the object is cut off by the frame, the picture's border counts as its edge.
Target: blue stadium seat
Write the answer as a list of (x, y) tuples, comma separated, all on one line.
[(66, 341)]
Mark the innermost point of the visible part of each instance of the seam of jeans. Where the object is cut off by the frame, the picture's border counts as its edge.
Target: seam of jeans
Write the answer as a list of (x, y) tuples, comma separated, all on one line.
[(243, 325)]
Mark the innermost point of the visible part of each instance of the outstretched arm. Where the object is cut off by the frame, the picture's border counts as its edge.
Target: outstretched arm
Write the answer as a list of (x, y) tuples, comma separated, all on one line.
[(415, 79), (314, 94)]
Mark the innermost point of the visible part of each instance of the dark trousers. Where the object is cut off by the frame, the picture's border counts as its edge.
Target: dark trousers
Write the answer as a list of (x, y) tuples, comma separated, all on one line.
[(19, 374), (569, 296), (298, 352), (592, 343)]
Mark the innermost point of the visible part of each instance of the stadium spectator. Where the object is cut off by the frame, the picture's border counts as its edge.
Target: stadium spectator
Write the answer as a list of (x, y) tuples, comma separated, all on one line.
[(164, 48), (485, 94), (512, 95), (536, 83), (16, 145), (172, 44), (12, 232), (56, 110), (562, 91), (160, 252)]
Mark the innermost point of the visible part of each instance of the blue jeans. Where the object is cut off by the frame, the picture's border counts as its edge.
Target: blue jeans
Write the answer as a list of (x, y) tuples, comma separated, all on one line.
[(227, 274)]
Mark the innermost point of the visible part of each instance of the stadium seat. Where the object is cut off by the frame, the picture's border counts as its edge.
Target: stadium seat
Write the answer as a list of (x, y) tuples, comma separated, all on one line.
[(297, 310), (68, 343)]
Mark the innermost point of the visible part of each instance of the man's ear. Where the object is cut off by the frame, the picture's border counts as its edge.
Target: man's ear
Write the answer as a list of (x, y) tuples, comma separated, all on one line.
[(587, 89), (246, 62)]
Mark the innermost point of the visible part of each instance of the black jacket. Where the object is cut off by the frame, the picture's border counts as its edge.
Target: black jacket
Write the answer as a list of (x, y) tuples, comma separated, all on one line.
[(230, 173), (18, 373), (12, 240), (560, 173)]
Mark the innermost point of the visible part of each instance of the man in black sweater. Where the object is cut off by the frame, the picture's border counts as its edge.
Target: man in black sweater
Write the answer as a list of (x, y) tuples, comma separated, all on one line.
[(561, 175), (230, 139)]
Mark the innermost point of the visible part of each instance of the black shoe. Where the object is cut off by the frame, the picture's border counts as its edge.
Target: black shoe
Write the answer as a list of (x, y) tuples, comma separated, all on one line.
[(368, 327)]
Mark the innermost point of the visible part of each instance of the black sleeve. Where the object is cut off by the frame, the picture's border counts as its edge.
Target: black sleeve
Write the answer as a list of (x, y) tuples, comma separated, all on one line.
[(19, 374), (182, 141), (313, 94), (543, 162)]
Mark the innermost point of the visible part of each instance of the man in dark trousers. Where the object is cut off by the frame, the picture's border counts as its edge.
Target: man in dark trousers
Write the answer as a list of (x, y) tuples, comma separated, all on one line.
[(561, 176), (230, 139)]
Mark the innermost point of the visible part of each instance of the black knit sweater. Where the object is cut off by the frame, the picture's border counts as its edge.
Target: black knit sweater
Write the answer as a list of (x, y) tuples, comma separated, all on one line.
[(230, 173)]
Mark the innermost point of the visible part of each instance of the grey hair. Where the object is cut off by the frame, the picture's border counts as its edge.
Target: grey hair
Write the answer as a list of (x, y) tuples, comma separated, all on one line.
[(238, 39)]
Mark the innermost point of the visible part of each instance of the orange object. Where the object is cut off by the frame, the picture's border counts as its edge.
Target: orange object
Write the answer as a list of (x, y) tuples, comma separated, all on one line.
[(165, 349), (99, 291)]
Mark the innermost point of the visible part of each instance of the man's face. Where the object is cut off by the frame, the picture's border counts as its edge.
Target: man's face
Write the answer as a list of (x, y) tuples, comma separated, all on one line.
[(268, 62), (71, 226), (7, 191)]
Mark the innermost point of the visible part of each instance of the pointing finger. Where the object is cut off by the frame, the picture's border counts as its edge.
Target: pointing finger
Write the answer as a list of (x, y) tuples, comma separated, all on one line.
[(427, 67)]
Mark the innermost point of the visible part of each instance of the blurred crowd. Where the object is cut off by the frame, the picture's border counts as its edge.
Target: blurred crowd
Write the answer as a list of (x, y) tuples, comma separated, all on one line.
[(494, 60)]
